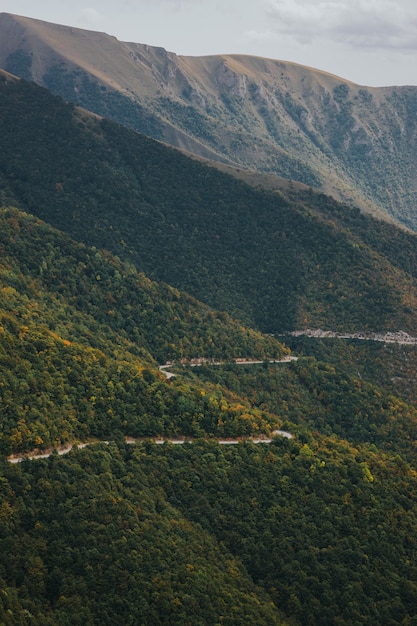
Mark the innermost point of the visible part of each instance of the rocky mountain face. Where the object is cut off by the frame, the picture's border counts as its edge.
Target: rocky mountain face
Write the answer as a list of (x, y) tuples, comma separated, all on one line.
[(355, 143)]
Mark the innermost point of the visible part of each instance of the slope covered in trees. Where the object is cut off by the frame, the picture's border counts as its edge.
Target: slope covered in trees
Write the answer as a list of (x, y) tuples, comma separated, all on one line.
[(208, 534), (81, 336), (91, 540), (198, 533), (298, 531), (276, 261)]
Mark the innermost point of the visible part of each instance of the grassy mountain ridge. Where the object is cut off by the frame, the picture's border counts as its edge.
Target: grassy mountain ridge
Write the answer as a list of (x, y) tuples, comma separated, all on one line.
[(278, 261), (354, 142)]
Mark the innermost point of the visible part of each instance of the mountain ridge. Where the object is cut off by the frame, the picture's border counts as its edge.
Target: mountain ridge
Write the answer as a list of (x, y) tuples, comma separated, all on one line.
[(353, 142)]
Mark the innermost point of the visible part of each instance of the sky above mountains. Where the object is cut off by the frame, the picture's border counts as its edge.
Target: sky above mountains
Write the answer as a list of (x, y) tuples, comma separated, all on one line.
[(371, 42)]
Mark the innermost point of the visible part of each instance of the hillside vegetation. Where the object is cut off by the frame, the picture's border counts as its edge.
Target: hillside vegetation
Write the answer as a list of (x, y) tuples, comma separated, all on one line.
[(242, 533), (353, 142), (318, 528), (277, 261), (81, 334)]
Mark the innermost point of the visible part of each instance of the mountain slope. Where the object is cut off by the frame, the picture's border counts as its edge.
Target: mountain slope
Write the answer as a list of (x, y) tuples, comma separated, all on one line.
[(79, 335), (200, 533), (241, 531), (278, 262), (356, 143), (88, 540)]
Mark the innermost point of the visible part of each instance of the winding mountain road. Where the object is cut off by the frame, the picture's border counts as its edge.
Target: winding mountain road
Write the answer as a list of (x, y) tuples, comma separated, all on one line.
[(203, 361), (64, 449)]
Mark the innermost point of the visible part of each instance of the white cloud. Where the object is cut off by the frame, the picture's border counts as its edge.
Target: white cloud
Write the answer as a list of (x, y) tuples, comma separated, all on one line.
[(364, 23), (90, 18), (175, 5), (265, 35)]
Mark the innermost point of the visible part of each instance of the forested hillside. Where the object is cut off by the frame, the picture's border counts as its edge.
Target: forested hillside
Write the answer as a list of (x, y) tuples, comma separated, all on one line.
[(81, 336), (207, 534), (253, 533), (107, 239), (277, 261)]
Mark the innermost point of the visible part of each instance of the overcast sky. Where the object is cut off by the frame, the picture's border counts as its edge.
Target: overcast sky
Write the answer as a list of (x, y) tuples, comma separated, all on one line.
[(371, 42)]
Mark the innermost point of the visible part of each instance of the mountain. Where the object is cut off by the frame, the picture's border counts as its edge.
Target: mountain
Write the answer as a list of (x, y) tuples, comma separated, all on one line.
[(353, 142), (285, 531), (276, 261)]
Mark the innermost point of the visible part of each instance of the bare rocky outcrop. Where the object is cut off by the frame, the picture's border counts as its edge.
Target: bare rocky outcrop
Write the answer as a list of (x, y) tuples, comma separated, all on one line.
[(236, 84)]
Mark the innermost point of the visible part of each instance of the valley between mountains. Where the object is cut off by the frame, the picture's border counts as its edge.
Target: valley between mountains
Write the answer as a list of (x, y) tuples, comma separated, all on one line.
[(163, 282)]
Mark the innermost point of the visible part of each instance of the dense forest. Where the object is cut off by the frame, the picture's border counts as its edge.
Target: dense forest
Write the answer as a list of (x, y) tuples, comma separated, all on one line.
[(209, 534), (197, 533), (82, 334), (317, 527)]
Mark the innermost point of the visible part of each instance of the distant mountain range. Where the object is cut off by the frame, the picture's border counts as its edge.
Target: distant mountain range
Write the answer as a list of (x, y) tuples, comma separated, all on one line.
[(355, 143)]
